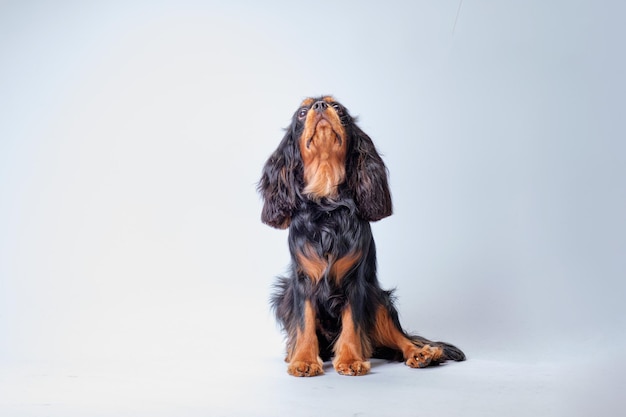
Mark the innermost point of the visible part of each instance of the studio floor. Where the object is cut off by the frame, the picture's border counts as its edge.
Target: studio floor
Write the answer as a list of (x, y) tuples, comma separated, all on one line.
[(256, 386)]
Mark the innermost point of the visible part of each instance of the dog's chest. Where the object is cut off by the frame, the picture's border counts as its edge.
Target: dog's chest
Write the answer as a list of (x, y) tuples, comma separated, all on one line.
[(335, 232), (328, 244)]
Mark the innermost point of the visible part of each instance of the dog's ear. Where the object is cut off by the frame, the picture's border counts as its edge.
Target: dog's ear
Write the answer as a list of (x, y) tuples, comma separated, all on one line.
[(279, 183), (367, 177)]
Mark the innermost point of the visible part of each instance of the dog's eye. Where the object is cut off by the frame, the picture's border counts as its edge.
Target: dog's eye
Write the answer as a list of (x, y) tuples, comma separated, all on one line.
[(338, 109), (302, 112)]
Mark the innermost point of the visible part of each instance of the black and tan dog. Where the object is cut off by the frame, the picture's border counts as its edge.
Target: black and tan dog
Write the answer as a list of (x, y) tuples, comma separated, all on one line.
[(326, 182)]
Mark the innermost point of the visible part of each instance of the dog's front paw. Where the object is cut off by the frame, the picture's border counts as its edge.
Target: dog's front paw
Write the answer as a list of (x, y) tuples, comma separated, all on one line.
[(354, 367), (305, 368), (424, 356)]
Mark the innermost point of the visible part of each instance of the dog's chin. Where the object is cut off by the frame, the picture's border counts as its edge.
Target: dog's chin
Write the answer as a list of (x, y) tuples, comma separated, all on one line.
[(322, 123), (324, 136)]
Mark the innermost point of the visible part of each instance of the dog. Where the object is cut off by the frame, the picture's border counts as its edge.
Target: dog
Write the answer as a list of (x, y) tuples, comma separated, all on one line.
[(326, 182)]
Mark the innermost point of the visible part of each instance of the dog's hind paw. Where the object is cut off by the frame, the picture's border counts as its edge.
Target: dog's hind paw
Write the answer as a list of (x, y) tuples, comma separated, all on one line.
[(424, 356)]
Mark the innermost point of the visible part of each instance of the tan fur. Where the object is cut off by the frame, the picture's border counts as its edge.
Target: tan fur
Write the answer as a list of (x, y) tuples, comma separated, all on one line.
[(323, 148), (342, 266), (311, 264), (305, 359), (387, 334), (350, 352)]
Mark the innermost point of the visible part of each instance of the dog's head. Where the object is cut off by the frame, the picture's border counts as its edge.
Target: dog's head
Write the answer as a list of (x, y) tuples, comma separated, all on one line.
[(324, 155)]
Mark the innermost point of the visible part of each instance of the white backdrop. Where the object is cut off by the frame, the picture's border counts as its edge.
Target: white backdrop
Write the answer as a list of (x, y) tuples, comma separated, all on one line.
[(132, 135)]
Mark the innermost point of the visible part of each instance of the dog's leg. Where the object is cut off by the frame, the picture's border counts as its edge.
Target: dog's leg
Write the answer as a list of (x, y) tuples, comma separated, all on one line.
[(417, 354), (351, 349), (305, 359)]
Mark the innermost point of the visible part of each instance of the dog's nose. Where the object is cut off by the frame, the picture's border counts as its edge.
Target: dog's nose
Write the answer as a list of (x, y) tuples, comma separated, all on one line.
[(320, 106)]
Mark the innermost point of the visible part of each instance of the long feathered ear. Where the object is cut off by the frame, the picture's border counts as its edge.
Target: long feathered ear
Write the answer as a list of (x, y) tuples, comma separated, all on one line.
[(367, 177), (279, 184)]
